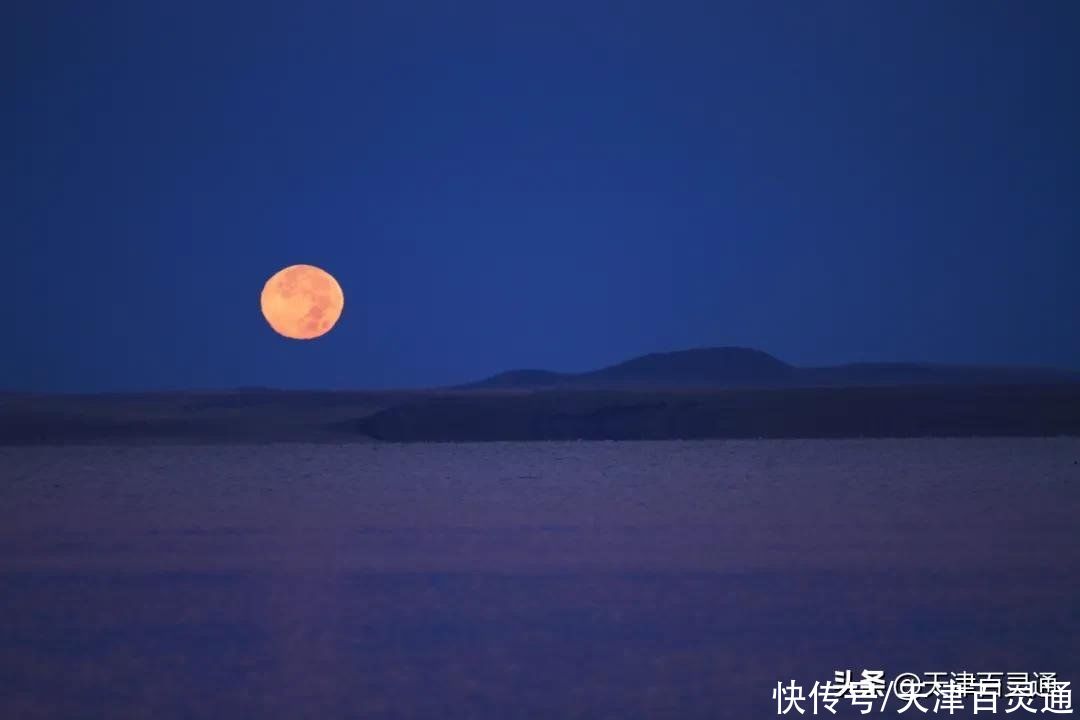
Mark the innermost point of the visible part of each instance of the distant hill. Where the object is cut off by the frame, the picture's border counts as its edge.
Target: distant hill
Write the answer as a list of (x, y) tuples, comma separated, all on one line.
[(735, 367), (692, 394)]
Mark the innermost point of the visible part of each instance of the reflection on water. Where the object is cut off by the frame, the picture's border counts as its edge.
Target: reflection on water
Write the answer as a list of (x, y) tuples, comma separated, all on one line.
[(790, 561), (494, 645)]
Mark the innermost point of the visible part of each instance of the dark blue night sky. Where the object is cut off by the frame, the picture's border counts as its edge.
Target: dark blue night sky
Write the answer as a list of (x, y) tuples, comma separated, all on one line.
[(548, 184)]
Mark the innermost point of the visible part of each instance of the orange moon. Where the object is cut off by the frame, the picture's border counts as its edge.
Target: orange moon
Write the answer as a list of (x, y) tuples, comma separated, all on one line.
[(302, 302)]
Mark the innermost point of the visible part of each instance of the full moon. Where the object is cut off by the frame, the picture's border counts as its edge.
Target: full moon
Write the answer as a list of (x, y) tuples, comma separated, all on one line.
[(302, 302)]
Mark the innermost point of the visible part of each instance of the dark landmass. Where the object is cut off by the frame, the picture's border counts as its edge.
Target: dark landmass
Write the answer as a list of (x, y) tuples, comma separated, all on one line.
[(908, 411), (695, 394), (219, 417), (481, 415), (732, 367)]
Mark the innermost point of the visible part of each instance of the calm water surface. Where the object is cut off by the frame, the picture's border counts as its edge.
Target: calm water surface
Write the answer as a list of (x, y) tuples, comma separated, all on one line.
[(592, 580)]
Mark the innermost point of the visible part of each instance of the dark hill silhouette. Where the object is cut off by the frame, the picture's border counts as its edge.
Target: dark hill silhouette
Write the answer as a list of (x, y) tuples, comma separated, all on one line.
[(692, 394), (697, 367), (735, 367)]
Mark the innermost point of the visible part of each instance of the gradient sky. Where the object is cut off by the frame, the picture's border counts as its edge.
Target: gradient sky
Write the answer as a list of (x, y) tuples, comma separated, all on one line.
[(550, 184)]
